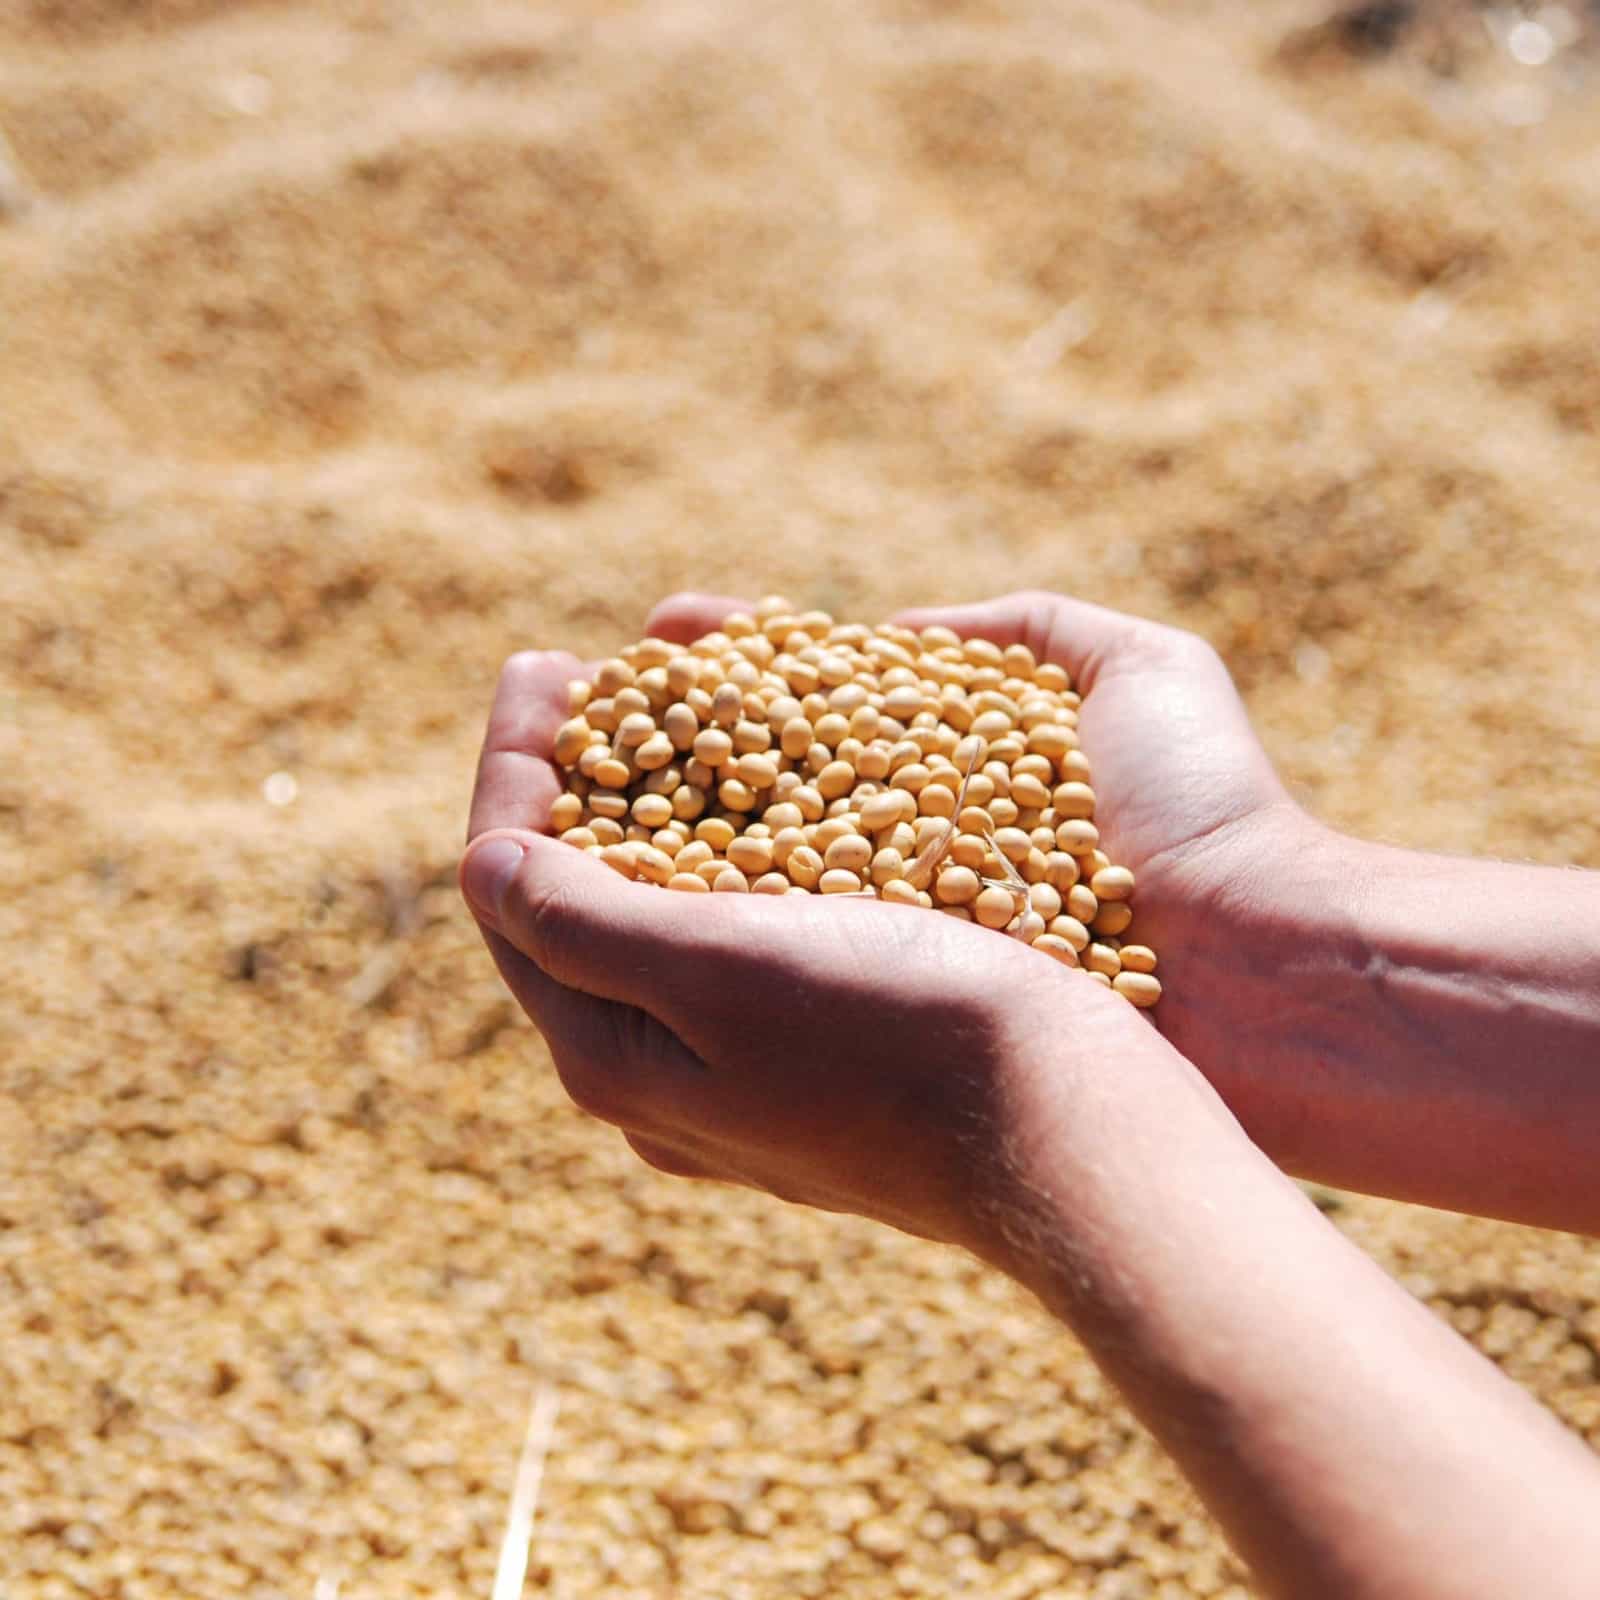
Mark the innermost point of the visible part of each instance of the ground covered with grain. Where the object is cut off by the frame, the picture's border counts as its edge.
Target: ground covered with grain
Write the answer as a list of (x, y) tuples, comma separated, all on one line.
[(346, 346)]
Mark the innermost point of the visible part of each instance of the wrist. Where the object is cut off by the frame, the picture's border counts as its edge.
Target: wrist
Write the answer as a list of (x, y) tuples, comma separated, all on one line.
[(1246, 973), (1279, 875), (1099, 1132)]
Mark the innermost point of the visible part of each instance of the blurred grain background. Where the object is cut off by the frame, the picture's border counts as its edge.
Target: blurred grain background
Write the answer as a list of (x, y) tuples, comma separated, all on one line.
[(346, 346)]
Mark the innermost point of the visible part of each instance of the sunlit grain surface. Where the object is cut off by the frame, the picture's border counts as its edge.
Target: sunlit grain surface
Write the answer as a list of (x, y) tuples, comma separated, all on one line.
[(346, 347)]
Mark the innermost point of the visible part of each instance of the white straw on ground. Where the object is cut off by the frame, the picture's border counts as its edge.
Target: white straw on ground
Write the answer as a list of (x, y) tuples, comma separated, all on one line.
[(513, 1564)]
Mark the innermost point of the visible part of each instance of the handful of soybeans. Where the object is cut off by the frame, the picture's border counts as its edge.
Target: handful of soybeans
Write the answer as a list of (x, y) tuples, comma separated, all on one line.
[(789, 754)]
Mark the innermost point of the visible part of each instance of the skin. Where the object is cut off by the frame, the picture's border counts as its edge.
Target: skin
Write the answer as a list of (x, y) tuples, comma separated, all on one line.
[(958, 1086), (1383, 1020)]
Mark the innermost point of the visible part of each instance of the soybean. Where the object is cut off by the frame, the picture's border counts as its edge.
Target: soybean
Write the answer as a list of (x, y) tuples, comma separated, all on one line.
[(788, 754)]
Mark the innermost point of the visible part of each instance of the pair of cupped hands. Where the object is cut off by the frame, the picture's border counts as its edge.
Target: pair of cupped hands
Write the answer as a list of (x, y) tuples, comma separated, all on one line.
[(860, 1056)]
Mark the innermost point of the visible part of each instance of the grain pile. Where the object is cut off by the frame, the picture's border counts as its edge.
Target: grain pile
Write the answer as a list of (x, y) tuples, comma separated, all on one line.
[(347, 347)]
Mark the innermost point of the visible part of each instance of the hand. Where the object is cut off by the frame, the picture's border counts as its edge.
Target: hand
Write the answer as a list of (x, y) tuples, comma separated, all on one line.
[(1185, 794), (1229, 868), (847, 1054)]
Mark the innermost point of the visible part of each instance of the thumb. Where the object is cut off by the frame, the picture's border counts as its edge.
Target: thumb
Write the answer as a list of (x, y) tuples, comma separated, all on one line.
[(703, 964), (588, 928)]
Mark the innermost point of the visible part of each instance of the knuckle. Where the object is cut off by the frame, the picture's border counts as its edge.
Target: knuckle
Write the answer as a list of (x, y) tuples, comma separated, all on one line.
[(591, 1085), (545, 926), (636, 1035), (665, 1158), (1159, 644), (606, 1074), (1192, 650), (518, 664)]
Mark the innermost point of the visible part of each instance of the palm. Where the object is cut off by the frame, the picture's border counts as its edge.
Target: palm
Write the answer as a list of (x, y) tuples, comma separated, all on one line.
[(1178, 775), (876, 1095), (1185, 794), (1181, 783)]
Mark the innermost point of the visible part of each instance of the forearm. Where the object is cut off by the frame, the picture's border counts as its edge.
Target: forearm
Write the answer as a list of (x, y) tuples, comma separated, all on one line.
[(1410, 1025), (1349, 1443)]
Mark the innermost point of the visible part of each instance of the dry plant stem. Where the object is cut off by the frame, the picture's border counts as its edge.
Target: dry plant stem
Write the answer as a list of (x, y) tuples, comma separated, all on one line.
[(1018, 885), (512, 1569), (920, 873)]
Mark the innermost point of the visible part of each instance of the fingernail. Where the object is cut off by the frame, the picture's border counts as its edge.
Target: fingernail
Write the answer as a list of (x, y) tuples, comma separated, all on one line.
[(488, 871)]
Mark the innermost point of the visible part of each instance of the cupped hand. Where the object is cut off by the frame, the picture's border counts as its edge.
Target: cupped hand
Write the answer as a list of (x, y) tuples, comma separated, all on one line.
[(849, 1054), (1185, 795)]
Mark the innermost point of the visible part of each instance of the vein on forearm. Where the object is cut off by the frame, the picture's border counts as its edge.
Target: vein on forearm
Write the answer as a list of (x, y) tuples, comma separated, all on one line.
[(1229, 1313), (1426, 1028)]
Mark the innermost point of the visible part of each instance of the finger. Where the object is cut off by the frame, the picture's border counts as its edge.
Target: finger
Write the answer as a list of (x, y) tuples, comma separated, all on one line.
[(700, 965), (616, 1062), (708, 969), (587, 928), (684, 617), (1088, 640), (671, 1159), (516, 782)]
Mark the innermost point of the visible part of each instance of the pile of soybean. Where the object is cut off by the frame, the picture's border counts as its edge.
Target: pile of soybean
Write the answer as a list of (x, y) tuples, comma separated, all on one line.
[(786, 753)]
